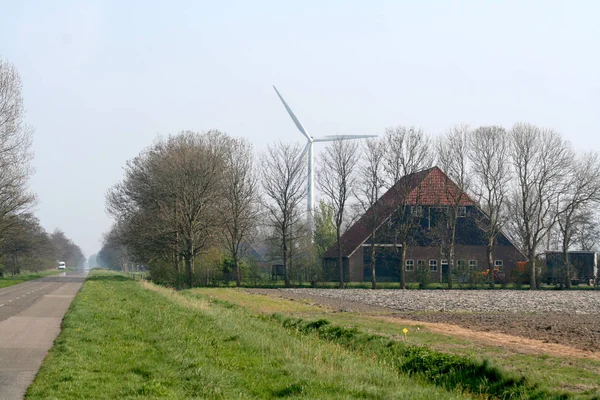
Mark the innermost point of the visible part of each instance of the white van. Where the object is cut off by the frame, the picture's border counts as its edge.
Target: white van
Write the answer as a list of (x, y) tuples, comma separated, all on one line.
[(61, 265)]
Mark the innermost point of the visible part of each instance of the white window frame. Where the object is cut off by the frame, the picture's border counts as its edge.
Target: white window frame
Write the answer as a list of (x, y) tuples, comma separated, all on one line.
[(433, 265), (498, 264), (472, 263), (421, 263), (461, 212), (443, 262), (416, 211), (412, 265)]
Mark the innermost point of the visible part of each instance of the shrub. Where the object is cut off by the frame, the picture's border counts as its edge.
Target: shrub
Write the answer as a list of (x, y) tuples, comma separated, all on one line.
[(423, 276)]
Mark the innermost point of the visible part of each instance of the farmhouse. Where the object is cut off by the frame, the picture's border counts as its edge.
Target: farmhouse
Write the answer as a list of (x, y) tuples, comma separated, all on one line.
[(426, 198)]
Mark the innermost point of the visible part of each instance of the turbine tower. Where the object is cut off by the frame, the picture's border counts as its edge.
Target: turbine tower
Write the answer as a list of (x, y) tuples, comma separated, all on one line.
[(309, 148)]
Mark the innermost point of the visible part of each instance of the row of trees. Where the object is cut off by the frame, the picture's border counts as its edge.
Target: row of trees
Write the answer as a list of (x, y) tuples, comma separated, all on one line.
[(24, 244), (182, 196), (191, 193)]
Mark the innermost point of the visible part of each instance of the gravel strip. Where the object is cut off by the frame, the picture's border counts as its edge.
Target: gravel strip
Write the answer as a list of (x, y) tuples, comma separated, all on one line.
[(514, 301)]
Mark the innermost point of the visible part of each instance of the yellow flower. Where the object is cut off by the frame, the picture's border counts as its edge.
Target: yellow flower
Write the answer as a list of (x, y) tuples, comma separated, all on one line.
[(405, 331)]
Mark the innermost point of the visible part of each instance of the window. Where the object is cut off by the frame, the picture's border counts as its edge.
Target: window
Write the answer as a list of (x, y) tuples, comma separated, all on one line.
[(444, 263), (461, 212), (433, 266), (498, 264), (420, 264), (416, 211), (410, 265), (460, 263), (472, 263)]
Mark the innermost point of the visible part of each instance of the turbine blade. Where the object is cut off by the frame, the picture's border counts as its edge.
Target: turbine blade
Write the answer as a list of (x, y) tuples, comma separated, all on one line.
[(303, 154), (289, 110), (331, 138)]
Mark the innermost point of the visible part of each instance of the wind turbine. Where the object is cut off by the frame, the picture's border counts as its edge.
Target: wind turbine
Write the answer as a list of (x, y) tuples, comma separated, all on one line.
[(309, 148)]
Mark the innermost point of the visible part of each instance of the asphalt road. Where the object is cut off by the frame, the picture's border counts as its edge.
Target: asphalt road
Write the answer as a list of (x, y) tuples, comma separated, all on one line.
[(30, 319)]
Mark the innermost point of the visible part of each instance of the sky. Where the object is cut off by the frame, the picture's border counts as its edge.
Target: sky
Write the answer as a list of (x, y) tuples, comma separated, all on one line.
[(102, 80)]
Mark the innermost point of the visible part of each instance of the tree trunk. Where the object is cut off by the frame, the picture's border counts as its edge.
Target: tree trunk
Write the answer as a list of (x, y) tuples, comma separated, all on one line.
[(177, 270), (286, 275), (490, 260), (451, 260), (189, 264), (567, 268), (451, 267), (402, 264), (238, 272), (531, 256), (177, 252), (340, 259), (188, 268), (373, 261)]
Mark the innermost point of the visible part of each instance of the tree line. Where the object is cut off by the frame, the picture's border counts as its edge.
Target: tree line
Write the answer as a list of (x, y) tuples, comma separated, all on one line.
[(528, 182), (24, 244), (203, 199)]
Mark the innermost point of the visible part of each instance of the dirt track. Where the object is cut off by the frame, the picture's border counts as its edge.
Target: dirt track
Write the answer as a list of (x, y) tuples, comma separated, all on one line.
[(566, 318)]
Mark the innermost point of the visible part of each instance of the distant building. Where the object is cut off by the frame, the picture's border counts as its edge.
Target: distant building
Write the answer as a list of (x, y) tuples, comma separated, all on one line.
[(583, 267), (427, 194)]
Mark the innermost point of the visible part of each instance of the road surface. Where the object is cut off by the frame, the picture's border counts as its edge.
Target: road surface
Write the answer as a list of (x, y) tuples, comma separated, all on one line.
[(30, 319)]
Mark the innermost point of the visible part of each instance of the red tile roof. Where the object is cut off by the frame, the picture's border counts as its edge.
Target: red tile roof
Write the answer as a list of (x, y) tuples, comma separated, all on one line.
[(430, 187)]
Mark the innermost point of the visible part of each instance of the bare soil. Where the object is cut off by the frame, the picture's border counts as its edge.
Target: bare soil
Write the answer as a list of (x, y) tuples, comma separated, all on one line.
[(552, 322)]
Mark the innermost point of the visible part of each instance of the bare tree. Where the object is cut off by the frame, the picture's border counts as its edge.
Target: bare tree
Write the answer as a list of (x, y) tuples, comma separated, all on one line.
[(581, 190), (407, 151), (587, 234), (453, 157), (324, 228), (490, 158), (337, 167), (369, 190), (170, 197), (284, 184), (239, 209), (539, 158), (145, 206), (15, 149)]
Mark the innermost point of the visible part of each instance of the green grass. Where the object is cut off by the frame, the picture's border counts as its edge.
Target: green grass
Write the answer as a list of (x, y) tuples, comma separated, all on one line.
[(10, 280), (443, 369), (121, 340), (579, 377)]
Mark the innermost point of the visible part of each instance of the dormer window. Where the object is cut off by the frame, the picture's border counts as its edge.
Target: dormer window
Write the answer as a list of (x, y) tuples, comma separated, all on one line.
[(461, 212)]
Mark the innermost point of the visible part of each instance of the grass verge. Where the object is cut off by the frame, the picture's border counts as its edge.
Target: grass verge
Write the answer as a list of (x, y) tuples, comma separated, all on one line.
[(120, 340), (10, 280), (446, 370), (578, 377)]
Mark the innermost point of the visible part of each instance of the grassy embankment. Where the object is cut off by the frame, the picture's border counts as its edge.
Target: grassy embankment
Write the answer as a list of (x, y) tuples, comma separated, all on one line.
[(575, 376), (122, 340), (9, 280)]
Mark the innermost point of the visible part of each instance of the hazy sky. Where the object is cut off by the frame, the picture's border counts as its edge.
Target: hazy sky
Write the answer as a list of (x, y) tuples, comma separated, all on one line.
[(102, 79)]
